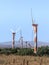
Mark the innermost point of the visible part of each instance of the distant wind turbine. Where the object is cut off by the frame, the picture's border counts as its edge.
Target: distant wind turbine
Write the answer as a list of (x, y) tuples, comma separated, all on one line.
[(13, 36)]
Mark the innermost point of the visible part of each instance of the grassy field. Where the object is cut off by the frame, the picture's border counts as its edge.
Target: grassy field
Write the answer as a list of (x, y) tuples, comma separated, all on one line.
[(23, 60)]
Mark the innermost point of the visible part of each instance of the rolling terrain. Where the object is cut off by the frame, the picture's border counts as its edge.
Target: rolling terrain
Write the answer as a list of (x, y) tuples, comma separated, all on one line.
[(18, 44)]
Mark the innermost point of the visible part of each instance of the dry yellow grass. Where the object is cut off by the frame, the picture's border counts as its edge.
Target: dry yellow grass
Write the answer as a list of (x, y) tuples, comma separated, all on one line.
[(23, 60)]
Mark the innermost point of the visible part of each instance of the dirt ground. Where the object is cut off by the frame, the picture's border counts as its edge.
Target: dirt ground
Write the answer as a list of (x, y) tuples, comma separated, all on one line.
[(23, 60)]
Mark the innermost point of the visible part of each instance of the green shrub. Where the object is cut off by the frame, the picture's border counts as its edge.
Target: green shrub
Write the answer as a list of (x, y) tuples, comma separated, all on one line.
[(25, 51), (13, 51), (43, 51), (8, 51)]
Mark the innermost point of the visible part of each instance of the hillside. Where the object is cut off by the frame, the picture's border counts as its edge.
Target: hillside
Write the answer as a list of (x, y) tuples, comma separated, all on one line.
[(18, 44)]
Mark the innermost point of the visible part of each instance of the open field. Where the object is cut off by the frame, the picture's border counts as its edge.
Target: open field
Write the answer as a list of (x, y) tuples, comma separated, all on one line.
[(23, 60)]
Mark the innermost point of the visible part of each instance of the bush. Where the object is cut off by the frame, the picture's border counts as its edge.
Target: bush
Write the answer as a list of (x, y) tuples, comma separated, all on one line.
[(8, 51), (25, 51), (43, 51), (13, 51)]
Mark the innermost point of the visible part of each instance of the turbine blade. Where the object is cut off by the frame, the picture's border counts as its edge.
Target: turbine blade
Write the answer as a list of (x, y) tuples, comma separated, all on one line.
[(32, 17), (17, 30), (12, 30)]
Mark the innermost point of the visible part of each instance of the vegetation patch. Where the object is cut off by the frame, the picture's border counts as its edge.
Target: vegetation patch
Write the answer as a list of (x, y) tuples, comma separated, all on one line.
[(42, 51)]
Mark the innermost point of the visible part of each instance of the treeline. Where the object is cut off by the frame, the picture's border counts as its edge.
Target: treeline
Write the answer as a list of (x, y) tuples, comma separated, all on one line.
[(26, 51)]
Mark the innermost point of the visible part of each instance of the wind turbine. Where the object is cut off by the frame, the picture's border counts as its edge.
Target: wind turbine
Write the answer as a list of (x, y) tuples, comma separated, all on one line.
[(35, 33), (21, 38), (26, 43), (13, 37)]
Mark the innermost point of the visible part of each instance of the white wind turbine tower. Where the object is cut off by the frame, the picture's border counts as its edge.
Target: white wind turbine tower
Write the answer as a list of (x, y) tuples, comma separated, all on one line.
[(35, 33), (21, 38), (13, 37)]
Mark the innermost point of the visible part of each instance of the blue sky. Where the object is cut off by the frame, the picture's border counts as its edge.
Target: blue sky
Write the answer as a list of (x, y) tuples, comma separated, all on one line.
[(17, 14)]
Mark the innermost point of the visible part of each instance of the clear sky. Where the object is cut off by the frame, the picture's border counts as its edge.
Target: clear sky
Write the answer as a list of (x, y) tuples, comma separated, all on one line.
[(17, 14)]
